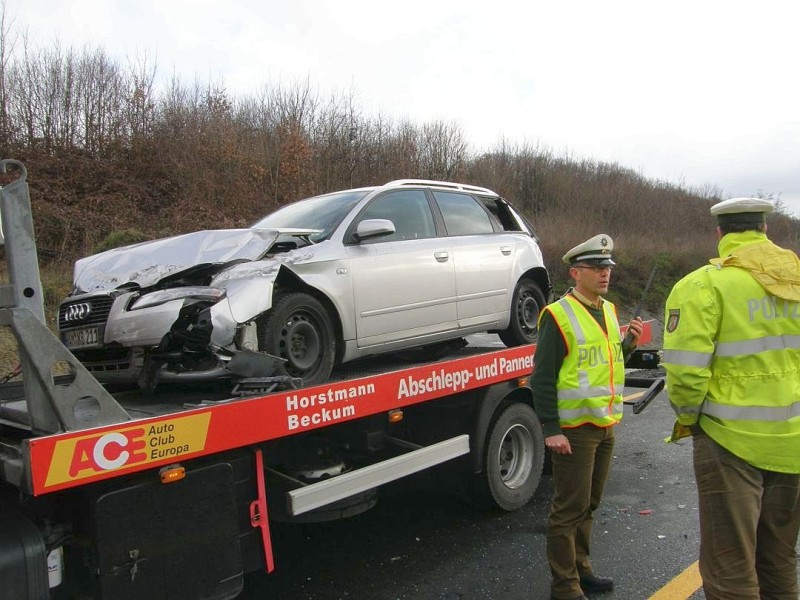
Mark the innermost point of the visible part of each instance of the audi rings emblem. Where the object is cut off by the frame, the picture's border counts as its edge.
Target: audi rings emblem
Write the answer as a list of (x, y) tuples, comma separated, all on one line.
[(77, 312)]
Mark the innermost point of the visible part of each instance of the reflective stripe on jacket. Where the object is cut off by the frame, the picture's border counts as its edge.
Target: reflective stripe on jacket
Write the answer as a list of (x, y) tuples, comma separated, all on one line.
[(592, 377), (732, 354)]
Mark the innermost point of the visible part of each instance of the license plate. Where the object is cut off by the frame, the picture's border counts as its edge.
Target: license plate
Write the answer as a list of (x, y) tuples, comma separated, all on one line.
[(82, 338)]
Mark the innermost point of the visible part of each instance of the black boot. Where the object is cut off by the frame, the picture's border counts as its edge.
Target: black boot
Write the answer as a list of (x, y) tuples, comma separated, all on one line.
[(593, 583)]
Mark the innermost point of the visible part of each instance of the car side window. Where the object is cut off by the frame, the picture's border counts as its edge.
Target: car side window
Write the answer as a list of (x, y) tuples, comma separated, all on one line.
[(408, 210), (463, 215)]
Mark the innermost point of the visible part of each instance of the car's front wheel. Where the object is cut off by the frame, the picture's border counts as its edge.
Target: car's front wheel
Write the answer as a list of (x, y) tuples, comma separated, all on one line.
[(526, 304), (298, 329)]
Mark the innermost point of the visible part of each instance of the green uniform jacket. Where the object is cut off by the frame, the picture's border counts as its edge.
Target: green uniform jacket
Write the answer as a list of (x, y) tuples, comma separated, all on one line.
[(732, 351)]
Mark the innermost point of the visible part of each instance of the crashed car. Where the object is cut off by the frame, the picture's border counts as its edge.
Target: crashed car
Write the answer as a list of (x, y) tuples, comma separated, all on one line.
[(319, 282)]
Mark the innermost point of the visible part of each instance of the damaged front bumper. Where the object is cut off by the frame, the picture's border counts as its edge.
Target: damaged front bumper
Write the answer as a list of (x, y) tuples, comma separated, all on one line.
[(187, 334)]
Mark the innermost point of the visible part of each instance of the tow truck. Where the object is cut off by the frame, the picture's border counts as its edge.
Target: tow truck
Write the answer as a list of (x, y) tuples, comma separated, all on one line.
[(110, 493)]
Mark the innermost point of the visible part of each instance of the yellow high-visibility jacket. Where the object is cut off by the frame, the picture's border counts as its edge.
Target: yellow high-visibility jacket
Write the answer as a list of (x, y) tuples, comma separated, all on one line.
[(592, 377), (732, 351)]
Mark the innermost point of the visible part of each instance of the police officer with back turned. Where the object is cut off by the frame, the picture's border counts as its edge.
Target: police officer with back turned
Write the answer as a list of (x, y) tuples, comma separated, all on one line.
[(732, 357), (577, 385)]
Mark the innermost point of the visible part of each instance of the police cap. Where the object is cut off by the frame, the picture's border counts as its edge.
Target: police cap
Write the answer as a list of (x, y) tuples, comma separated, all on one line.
[(747, 211), (594, 251)]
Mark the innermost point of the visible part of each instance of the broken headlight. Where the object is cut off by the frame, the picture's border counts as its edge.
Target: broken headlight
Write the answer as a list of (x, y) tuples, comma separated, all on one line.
[(203, 293)]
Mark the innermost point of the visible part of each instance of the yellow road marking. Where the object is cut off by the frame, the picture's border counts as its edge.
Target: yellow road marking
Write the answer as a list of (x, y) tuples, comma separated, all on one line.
[(682, 587)]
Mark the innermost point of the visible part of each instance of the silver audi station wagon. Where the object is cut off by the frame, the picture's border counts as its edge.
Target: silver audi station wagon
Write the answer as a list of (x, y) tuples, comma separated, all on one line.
[(322, 281)]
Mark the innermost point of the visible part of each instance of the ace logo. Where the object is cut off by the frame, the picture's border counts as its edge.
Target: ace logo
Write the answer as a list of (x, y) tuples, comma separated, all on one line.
[(125, 449), (109, 451)]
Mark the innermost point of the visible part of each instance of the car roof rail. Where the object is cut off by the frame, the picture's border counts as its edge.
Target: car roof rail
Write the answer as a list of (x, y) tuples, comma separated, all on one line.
[(443, 184)]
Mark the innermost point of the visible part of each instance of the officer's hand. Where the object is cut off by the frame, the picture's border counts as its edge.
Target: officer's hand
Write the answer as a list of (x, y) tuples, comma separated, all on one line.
[(559, 444), (679, 431), (636, 326)]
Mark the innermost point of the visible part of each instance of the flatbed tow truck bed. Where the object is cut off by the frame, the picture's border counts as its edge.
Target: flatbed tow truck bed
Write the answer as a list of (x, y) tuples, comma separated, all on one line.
[(175, 398), (169, 399)]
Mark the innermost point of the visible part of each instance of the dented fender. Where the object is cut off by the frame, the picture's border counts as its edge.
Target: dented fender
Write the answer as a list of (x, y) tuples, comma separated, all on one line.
[(249, 288), (246, 300)]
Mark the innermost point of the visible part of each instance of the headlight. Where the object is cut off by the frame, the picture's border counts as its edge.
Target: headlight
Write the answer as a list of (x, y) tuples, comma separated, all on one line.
[(209, 294)]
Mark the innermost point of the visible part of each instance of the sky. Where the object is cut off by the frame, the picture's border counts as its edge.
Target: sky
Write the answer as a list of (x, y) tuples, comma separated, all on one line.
[(703, 94)]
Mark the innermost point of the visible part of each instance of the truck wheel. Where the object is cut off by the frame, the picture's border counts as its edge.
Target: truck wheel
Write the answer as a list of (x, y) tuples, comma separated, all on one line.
[(298, 329), (514, 455), (527, 303)]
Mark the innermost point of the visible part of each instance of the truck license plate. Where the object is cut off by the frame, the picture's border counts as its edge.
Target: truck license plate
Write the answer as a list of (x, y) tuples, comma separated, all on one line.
[(81, 338)]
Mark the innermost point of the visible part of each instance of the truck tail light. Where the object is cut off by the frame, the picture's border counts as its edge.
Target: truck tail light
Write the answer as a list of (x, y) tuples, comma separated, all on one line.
[(172, 473)]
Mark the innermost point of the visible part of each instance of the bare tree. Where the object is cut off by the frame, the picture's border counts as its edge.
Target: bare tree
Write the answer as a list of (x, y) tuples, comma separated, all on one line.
[(7, 43), (140, 103), (443, 150)]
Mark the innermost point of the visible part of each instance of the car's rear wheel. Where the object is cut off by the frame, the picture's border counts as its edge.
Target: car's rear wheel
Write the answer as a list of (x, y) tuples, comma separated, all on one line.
[(526, 304), (298, 329)]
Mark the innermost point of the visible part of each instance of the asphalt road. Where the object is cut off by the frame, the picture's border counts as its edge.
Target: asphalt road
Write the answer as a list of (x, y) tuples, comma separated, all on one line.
[(425, 541)]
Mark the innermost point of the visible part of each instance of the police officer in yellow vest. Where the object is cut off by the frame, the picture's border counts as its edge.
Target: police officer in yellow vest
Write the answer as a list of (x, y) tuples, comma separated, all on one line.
[(577, 385), (732, 357)]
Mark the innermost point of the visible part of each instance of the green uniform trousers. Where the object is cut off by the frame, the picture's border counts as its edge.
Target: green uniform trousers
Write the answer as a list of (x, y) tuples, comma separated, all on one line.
[(749, 522), (578, 483)]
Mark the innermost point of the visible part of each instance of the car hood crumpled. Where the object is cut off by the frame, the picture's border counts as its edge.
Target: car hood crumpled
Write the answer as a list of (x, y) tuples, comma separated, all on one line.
[(147, 263)]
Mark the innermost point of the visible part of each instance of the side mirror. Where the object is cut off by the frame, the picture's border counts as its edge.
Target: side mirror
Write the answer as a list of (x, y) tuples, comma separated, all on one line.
[(370, 228)]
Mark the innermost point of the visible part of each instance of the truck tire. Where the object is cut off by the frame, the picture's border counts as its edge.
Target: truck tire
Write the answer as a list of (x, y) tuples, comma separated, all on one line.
[(298, 329), (526, 304), (513, 457)]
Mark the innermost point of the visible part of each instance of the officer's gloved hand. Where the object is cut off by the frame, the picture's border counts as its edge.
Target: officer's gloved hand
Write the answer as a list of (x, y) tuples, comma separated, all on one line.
[(680, 431)]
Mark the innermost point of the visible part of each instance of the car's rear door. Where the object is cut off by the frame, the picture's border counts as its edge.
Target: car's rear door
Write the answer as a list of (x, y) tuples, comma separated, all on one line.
[(403, 283), (483, 260)]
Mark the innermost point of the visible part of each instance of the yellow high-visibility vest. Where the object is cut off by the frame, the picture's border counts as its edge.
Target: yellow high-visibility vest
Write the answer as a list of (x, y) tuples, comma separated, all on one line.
[(591, 380), (732, 354)]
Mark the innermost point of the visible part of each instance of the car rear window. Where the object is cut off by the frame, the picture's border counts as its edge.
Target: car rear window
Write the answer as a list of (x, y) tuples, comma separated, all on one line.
[(463, 215)]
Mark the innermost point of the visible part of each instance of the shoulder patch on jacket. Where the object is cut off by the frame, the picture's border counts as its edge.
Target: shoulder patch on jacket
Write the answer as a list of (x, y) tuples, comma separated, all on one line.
[(673, 319)]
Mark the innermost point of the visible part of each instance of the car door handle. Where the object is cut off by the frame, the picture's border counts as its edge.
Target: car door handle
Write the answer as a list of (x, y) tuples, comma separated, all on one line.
[(441, 255), (505, 250)]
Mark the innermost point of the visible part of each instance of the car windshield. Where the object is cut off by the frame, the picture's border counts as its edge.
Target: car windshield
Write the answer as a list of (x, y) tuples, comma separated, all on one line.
[(321, 212)]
